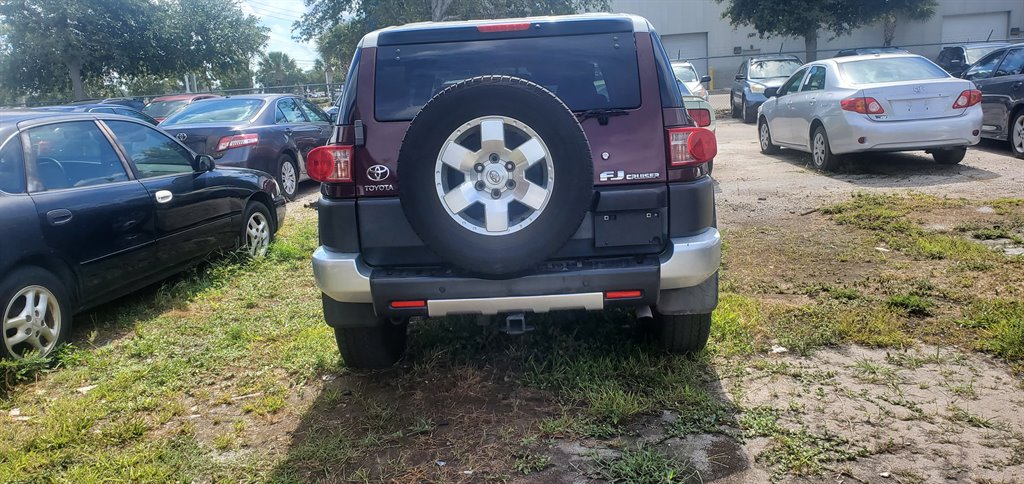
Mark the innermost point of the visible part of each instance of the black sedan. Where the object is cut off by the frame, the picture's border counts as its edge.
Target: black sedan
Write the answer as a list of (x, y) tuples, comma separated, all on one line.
[(103, 108), (269, 132), (94, 206), (999, 76)]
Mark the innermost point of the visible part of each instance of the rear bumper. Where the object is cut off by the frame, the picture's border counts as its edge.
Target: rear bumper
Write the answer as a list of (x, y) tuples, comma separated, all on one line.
[(560, 285), (909, 135)]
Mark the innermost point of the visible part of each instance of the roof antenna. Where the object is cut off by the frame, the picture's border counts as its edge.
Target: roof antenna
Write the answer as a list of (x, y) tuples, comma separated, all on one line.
[(780, 46), (990, 35)]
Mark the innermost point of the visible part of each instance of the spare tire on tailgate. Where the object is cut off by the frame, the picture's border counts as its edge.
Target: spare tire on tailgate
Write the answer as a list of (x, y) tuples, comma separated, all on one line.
[(495, 175)]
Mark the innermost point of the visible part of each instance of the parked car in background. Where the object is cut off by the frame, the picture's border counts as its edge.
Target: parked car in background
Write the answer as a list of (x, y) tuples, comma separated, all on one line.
[(268, 132), (161, 107), (514, 166), (131, 102), (694, 82), (333, 110), (887, 102), (755, 75), (870, 50), (955, 59), (94, 206), (702, 113), (999, 76), (102, 108)]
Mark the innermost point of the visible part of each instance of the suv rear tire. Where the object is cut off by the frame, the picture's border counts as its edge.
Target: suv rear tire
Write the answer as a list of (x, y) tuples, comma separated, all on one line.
[(375, 347), (535, 182), (683, 333)]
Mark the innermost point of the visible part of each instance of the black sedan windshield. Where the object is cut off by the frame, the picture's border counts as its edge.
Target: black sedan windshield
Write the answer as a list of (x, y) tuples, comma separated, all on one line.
[(216, 111)]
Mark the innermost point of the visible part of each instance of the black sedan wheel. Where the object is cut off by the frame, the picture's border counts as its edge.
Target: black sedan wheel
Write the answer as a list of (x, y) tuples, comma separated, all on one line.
[(1017, 134), (36, 313)]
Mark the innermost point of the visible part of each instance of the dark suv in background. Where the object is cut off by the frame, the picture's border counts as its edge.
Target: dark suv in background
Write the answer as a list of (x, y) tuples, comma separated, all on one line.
[(955, 59), (754, 76), (999, 76), (511, 167)]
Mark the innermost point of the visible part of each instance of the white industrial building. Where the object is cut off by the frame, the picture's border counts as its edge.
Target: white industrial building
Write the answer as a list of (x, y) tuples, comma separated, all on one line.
[(695, 30)]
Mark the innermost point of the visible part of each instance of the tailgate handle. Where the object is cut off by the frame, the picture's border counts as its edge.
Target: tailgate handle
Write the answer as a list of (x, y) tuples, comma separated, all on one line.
[(59, 216), (164, 196)]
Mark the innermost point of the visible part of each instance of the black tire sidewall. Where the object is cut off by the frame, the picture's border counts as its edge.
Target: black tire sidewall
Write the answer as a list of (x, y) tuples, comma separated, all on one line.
[(571, 193), (1013, 123), (34, 276), (280, 175), (829, 160), (250, 208)]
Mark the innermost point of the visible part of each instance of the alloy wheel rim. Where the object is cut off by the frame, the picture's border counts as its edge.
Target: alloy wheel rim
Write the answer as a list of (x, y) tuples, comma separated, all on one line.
[(31, 322), (819, 149), (488, 187), (288, 177), (1018, 134), (257, 235), (764, 136)]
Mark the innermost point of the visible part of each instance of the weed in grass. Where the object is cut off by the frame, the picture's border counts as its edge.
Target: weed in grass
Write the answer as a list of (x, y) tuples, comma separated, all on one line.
[(224, 441), (643, 465), (872, 325), (761, 421), (960, 415), (801, 452), (912, 304), (527, 463), (803, 329), (735, 324)]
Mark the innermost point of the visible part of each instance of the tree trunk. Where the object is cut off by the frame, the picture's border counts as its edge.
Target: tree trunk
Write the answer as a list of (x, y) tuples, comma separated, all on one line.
[(811, 45), (438, 9), (75, 72), (888, 29)]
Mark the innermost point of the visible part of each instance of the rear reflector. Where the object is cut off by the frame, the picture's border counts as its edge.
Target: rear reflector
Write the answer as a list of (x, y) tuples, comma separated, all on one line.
[(237, 141), (622, 294), (967, 99), (330, 164), (503, 27), (691, 146), (701, 116), (408, 304), (863, 105)]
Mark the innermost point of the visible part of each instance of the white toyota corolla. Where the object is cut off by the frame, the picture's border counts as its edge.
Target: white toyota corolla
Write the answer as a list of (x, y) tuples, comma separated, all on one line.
[(878, 102)]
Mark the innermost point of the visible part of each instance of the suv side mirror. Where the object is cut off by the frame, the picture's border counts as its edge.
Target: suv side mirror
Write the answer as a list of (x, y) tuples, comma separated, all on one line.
[(740, 77), (705, 79), (205, 163), (771, 92)]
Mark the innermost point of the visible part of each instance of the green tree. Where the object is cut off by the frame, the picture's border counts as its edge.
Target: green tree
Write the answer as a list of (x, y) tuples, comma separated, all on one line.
[(801, 18), (278, 69)]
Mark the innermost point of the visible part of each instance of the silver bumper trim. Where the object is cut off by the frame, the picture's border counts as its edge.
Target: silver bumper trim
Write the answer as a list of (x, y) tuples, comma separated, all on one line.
[(345, 278), (342, 276), (590, 301), (692, 260)]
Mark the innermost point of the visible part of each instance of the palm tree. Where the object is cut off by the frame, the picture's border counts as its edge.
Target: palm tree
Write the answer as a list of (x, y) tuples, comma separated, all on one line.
[(276, 69)]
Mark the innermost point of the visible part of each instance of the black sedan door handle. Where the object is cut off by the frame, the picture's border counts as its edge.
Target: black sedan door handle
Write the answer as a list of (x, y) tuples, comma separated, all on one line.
[(288, 131), (1017, 85), (57, 217)]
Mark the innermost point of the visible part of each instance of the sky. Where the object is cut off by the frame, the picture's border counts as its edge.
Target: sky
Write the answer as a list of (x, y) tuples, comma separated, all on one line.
[(278, 15)]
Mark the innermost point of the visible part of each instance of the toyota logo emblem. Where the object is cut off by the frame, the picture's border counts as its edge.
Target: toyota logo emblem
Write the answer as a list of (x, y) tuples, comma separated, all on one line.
[(181, 137), (919, 89), (378, 173)]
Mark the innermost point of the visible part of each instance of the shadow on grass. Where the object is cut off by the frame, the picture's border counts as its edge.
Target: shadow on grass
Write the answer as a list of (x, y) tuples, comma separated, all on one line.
[(470, 403), (109, 322)]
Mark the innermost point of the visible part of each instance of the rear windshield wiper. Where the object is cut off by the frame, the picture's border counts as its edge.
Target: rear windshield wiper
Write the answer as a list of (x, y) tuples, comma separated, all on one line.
[(602, 114)]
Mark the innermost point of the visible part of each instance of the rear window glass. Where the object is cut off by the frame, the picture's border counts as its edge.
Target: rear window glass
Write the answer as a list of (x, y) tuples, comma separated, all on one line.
[(216, 111), (872, 71), (161, 109), (585, 71), (767, 69), (684, 73)]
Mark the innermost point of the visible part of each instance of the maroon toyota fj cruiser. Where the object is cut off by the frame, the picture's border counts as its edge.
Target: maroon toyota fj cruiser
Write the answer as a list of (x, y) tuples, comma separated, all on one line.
[(509, 167)]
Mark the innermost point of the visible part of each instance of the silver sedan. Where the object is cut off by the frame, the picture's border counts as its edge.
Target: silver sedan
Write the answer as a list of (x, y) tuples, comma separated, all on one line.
[(879, 102)]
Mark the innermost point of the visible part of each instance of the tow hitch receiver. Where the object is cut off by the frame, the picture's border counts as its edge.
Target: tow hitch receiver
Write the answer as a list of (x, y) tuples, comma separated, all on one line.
[(515, 324)]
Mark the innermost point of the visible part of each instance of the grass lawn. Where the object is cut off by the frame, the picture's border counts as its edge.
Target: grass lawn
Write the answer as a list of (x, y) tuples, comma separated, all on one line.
[(227, 373)]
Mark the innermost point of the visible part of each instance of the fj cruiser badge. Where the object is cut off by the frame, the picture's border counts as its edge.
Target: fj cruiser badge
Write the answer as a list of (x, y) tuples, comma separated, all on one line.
[(621, 175)]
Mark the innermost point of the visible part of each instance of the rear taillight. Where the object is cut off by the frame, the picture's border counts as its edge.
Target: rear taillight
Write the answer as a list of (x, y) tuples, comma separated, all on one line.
[(701, 116), (330, 164), (863, 105), (967, 99), (512, 27), (691, 146), (237, 141)]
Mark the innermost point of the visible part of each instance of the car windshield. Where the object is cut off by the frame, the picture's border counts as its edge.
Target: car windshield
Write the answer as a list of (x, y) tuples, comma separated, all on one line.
[(585, 71), (895, 69), (975, 53), (685, 73), (160, 109), (216, 111), (765, 69)]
